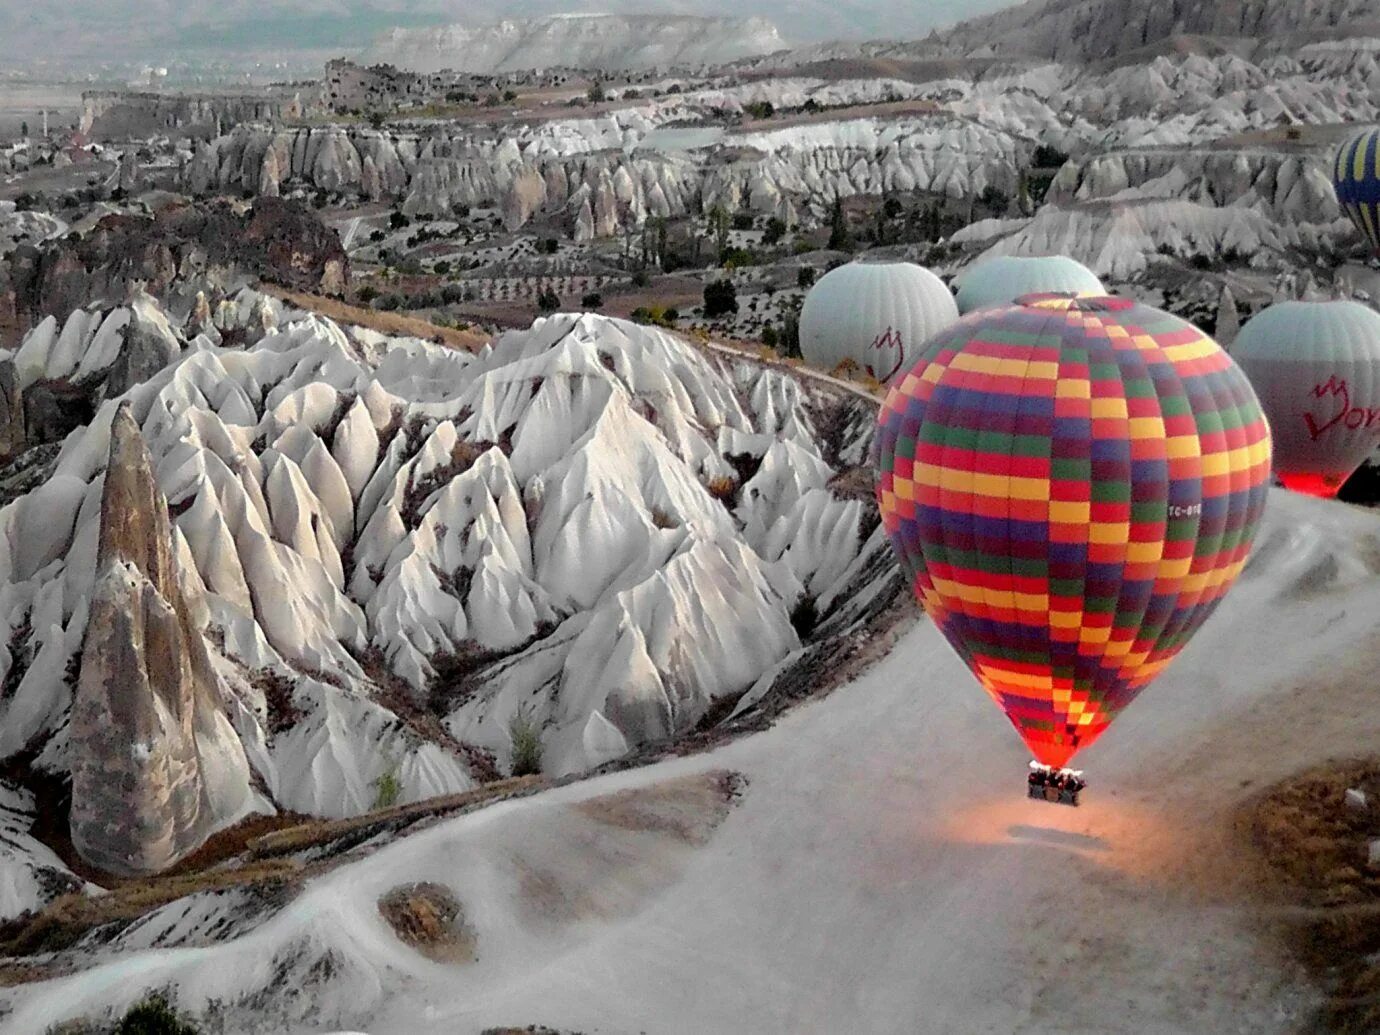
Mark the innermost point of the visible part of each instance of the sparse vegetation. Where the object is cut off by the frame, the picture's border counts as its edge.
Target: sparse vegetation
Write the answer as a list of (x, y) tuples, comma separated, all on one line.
[(655, 315), (153, 1017), (723, 488), (387, 788), (525, 736)]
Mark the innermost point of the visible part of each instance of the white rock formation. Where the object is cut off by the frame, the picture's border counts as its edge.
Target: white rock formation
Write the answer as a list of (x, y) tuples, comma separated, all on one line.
[(368, 516)]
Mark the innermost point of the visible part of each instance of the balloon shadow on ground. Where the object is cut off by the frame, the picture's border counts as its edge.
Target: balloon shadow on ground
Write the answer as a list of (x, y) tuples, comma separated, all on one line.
[(1059, 838)]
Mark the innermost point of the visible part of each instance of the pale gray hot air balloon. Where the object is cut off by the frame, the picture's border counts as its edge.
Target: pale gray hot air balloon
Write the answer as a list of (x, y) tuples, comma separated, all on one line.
[(1005, 278), (1316, 369), (876, 314)]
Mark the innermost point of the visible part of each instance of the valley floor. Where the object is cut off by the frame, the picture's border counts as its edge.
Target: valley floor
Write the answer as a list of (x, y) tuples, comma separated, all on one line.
[(881, 871)]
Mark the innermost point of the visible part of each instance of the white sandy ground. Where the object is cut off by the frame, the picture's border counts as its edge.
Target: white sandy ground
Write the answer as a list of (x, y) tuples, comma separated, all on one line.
[(883, 872)]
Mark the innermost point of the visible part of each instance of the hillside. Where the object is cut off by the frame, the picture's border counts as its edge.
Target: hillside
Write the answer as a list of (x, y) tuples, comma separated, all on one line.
[(604, 42), (1084, 30)]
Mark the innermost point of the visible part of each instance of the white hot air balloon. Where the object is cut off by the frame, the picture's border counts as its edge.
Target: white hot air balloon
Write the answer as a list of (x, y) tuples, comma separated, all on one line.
[(1005, 278), (876, 314), (1316, 368)]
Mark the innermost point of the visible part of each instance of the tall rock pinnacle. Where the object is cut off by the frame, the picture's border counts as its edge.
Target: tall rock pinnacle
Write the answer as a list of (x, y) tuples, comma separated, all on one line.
[(157, 767)]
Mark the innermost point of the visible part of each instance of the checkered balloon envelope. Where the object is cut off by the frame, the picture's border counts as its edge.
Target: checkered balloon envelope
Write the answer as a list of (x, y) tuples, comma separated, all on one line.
[(1071, 484)]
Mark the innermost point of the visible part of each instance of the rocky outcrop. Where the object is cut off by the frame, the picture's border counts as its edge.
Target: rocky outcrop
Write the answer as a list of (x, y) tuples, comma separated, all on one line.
[(179, 251), (557, 170), (150, 344), (156, 765), (12, 439), (126, 115), (1287, 187)]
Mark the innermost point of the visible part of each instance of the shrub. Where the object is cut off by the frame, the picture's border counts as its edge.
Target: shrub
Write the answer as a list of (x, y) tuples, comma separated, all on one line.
[(1047, 157), (742, 221), (769, 337), (760, 109), (805, 276), (525, 736), (452, 293), (641, 278), (442, 268), (656, 315), (723, 488), (548, 246), (387, 788), (376, 235), (548, 301), (591, 300), (396, 221), (736, 258), (367, 293), (776, 229), (390, 302), (596, 92), (153, 1017), (510, 96), (720, 298)]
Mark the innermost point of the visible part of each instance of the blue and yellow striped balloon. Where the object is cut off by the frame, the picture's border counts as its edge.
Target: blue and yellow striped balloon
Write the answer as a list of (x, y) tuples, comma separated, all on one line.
[(1356, 178)]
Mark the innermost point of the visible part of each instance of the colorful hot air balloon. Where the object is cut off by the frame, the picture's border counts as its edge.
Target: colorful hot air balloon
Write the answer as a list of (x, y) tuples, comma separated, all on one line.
[(876, 314), (1356, 178), (1316, 368), (1002, 280), (1072, 485)]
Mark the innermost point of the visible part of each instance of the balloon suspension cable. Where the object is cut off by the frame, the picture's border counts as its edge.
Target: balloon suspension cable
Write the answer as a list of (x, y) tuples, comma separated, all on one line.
[(1057, 786)]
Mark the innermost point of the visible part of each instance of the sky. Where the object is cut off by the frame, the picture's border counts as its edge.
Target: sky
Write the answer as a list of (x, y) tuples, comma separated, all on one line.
[(161, 31)]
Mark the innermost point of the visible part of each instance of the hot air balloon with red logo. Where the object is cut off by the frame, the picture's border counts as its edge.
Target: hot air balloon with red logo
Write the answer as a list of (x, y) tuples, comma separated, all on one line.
[(1316, 368), (1071, 484)]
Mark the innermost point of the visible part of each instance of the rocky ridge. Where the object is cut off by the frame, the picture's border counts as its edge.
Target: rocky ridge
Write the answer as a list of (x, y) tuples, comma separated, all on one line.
[(401, 547), (606, 42)]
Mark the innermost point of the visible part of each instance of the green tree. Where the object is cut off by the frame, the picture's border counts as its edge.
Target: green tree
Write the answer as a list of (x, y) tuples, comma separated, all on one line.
[(719, 226), (805, 276), (839, 237), (720, 298), (790, 336)]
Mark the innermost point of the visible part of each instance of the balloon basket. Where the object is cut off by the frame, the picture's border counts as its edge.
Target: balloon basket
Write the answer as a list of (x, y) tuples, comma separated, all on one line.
[(1056, 786)]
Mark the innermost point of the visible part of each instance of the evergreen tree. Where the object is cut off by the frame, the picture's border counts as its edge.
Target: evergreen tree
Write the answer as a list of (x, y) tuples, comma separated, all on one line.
[(839, 237)]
